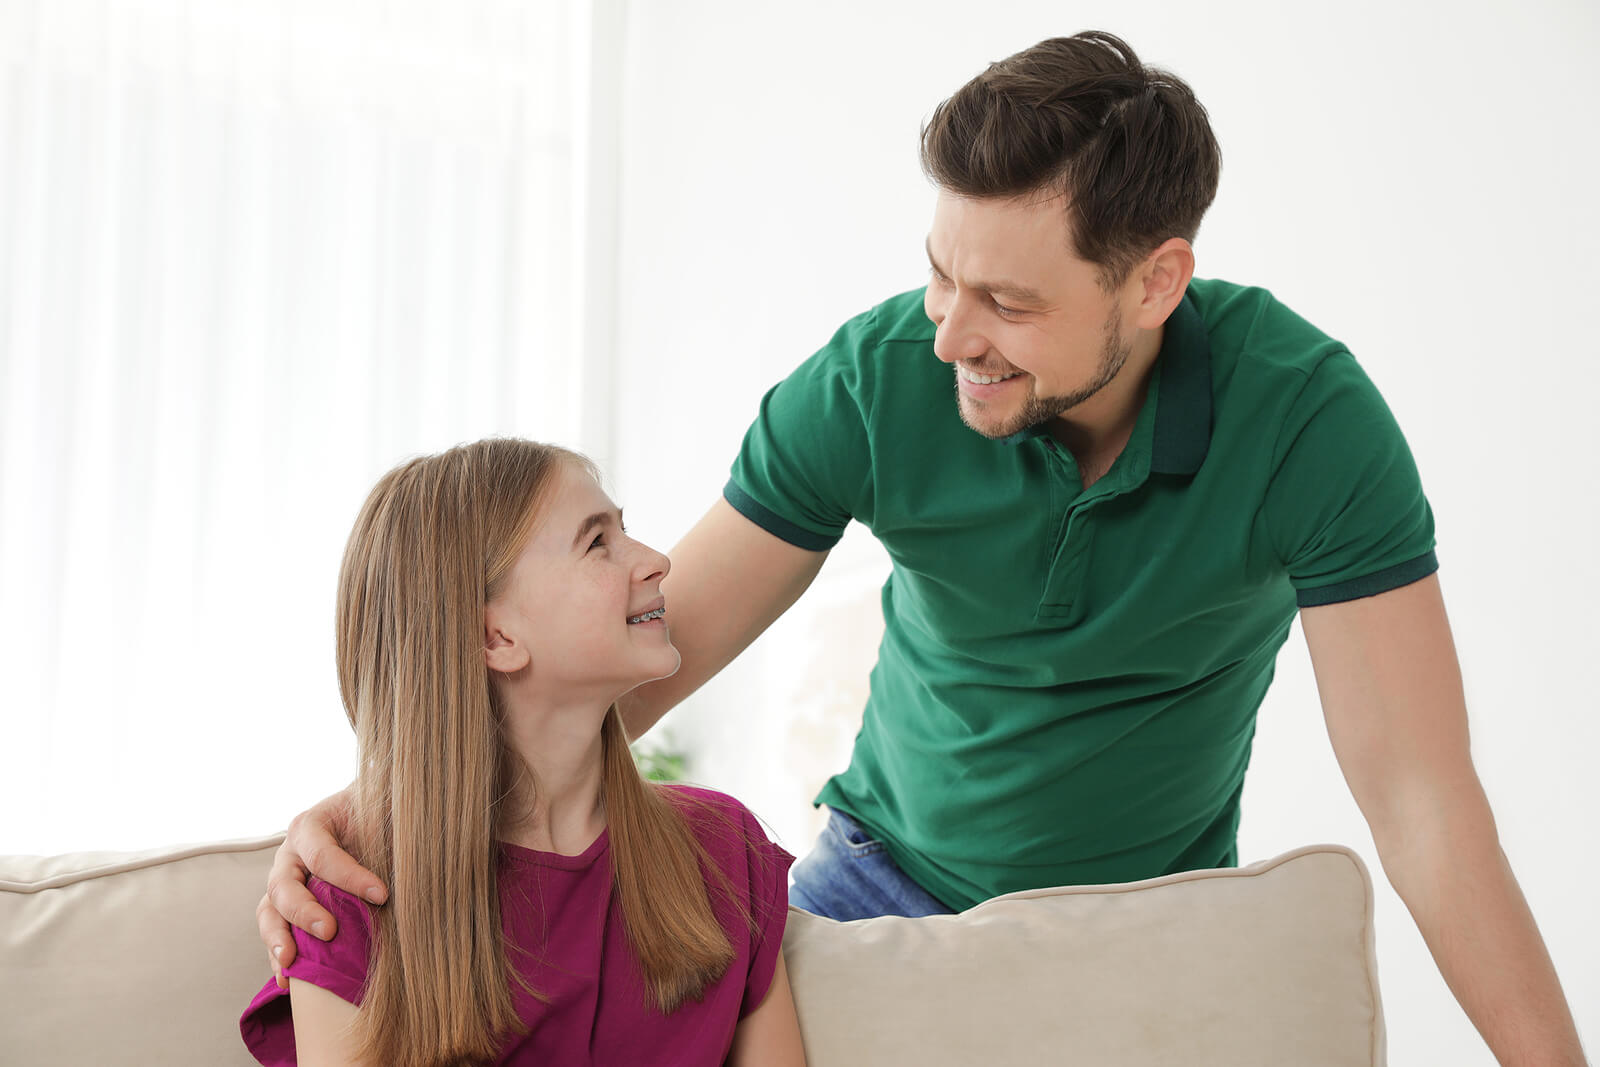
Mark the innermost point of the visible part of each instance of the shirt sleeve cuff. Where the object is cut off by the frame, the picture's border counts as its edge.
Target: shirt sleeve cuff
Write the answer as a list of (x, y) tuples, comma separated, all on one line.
[(775, 524), (1370, 585)]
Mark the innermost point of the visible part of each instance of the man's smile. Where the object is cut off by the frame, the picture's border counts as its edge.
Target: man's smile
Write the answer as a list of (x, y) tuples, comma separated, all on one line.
[(976, 378)]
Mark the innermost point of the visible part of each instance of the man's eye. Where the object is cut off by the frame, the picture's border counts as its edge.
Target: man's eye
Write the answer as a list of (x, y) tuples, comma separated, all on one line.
[(1006, 311), (939, 279)]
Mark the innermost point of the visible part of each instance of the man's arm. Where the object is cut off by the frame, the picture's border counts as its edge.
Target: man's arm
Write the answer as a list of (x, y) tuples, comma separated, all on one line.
[(730, 580), (1392, 696)]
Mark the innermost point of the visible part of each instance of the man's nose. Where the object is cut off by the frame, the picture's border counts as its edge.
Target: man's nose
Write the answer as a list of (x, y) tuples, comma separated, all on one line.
[(954, 338)]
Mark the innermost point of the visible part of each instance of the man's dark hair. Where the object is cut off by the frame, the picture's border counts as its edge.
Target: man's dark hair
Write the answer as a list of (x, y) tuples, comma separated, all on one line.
[(1129, 146)]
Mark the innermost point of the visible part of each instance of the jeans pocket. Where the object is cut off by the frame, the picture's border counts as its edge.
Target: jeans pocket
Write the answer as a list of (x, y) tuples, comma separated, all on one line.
[(853, 837)]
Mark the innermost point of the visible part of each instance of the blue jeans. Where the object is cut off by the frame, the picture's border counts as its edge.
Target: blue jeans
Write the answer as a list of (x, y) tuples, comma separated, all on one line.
[(847, 875)]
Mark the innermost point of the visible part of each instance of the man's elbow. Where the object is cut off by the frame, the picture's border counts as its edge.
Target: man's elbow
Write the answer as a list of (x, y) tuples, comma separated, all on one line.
[(1429, 817)]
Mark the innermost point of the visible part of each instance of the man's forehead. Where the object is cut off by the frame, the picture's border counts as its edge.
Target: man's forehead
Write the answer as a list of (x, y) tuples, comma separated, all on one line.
[(1018, 243), (1045, 216), (1038, 205)]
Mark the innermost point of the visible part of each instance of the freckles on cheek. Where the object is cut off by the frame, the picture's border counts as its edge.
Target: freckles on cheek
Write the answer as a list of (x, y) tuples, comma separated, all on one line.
[(579, 625)]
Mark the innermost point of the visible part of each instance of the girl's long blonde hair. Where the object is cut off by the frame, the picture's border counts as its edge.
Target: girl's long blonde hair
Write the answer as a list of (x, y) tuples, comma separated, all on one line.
[(434, 543)]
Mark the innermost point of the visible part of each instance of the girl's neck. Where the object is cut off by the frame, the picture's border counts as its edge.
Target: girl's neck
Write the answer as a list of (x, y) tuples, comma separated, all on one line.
[(564, 752)]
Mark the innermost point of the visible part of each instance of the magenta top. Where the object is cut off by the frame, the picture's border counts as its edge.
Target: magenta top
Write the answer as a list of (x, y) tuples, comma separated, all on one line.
[(562, 911)]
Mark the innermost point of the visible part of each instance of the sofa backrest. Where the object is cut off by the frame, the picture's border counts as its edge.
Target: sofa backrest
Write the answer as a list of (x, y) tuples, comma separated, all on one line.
[(131, 958), (1262, 966), (142, 958)]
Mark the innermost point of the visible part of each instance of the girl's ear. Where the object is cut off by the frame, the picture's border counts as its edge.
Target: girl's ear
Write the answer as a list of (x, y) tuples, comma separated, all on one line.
[(502, 651)]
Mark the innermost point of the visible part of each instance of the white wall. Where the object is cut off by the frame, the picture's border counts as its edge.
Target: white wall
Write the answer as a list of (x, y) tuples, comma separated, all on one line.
[(1415, 179)]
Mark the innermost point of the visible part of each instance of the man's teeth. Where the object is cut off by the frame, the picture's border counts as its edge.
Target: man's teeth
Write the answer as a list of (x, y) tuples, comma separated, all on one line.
[(984, 379), (647, 616)]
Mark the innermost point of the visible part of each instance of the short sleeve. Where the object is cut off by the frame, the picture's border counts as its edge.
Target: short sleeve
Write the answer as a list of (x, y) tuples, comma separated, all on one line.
[(339, 966), (769, 909), (1345, 508), (753, 904), (805, 464)]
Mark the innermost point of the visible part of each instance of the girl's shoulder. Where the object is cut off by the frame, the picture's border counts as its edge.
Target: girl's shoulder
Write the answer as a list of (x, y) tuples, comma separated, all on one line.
[(349, 910), (693, 798), (721, 823), (327, 893)]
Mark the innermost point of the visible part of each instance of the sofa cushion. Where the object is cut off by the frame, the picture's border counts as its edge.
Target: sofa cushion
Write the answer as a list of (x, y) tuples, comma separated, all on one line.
[(150, 957), (1269, 964), (113, 958)]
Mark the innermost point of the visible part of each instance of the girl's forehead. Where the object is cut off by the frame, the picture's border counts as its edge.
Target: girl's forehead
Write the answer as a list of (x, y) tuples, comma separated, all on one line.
[(570, 502), (578, 489)]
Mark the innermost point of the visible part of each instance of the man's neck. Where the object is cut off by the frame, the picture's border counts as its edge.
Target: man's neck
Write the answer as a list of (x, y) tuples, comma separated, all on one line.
[(1097, 430)]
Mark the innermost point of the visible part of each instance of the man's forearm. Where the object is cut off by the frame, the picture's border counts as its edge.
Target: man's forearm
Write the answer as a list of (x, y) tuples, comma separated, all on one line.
[(643, 707), (729, 580), (1449, 869)]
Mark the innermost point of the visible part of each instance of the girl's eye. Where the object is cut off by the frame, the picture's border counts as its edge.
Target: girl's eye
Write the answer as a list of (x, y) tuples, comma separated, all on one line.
[(598, 542)]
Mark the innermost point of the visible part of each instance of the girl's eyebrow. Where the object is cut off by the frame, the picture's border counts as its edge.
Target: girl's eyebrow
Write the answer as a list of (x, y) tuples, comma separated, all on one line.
[(597, 519)]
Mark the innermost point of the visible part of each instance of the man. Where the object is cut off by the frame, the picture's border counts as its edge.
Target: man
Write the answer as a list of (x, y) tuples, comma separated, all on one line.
[(1098, 551)]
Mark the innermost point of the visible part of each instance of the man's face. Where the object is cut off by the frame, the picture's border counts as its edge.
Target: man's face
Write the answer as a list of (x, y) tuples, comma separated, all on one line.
[(1024, 321)]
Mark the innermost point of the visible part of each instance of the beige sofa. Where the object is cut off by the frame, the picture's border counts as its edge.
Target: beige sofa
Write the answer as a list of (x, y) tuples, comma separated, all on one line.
[(148, 958)]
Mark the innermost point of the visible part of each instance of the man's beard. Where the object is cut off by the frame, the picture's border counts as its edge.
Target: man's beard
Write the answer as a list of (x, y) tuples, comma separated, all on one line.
[(1036, 410)]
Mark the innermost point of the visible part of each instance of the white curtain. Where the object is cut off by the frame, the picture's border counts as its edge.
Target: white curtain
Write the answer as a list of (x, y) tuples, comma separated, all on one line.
[(253, 253)]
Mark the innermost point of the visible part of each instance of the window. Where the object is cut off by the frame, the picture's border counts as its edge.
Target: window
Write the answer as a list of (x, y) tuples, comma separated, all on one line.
[(252, 255)]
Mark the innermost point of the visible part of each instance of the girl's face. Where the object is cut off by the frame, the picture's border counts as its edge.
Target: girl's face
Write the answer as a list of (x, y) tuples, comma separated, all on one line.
[(582, 613)]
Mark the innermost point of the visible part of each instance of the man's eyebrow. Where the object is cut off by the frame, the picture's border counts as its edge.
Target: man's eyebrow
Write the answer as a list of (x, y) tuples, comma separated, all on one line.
[(1010, 290), (599, 518)]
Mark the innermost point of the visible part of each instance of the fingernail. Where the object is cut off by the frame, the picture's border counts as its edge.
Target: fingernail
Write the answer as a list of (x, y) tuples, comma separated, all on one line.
[(320, 928), (375, 895), (277, 953)]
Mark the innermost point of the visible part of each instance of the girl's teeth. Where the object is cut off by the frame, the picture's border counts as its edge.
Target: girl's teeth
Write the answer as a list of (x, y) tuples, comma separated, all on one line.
[(647, 616)]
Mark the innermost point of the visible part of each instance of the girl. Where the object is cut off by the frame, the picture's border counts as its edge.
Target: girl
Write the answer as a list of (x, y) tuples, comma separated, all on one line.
[(547, 904)]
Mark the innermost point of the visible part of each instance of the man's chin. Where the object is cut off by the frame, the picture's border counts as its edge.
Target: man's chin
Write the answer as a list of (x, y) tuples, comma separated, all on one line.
[(993, 425)]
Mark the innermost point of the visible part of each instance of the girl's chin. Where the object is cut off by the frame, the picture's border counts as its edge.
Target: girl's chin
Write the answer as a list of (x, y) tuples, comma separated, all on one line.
[(670, 663), (666, 668)]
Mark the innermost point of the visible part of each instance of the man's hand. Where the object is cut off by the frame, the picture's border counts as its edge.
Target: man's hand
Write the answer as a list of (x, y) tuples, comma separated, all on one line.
[(312, 846)]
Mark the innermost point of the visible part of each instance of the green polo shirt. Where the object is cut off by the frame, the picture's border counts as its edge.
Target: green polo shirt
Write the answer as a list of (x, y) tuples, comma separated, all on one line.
[(1068, 681)]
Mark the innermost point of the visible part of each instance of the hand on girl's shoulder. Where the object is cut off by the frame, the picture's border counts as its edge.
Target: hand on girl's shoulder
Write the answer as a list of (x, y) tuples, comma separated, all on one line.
[(342, 903), (323, 975), (353, 933)]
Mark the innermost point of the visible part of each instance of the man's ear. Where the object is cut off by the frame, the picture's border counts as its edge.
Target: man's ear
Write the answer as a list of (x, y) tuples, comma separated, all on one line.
[(502, 651), (1163, 279)]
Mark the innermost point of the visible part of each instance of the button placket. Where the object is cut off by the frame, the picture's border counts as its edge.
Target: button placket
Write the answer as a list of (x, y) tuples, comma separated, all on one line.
[(1069, 565), (1064, 576)]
